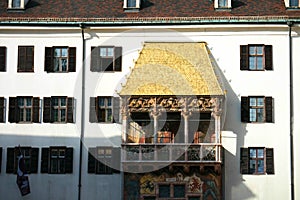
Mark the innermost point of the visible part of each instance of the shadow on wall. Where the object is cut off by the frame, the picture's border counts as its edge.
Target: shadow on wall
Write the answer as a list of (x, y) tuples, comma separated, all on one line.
[(232, 179)]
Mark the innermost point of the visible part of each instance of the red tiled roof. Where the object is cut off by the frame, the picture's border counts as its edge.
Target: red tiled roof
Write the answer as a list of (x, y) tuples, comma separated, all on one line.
[(112, 10)]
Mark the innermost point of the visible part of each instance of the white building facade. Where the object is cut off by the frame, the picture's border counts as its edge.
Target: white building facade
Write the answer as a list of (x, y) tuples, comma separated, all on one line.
[(63, 101)]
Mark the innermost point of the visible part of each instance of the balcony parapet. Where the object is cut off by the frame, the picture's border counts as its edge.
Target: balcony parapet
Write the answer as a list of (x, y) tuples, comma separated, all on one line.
[(172, 153)]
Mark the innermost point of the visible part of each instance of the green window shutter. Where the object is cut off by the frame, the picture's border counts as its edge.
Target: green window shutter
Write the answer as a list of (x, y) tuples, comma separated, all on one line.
[(13, 112), (244, 57), (118, 58), (0, 158), (69, 160), (47, 110), (10, 160), (244, 161), (93, 110), (36, 110), (116, 109), (70, 110), (49, 63), (45, 160), (269, 161), (269, 109), (95, 59), (245, 109), (116, 159), (92, 160), (268, 57), (2, 59), (2, 110), (72, 59), (34, 160)]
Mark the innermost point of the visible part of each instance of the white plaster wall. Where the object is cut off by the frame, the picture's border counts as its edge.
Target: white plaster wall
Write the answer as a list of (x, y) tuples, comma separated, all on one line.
[(224, 42)]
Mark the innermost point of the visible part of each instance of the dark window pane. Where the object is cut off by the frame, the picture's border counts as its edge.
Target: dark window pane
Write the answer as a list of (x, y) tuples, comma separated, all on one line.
[(179, 191), (164, 191)]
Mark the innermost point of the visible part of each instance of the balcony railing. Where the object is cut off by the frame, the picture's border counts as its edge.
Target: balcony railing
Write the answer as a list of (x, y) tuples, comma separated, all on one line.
[(172, 152)]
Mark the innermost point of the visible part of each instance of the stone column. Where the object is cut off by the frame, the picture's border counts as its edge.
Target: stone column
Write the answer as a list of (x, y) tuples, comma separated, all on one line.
[(155, 116), (217, 115), (124, 113), (186, 126)]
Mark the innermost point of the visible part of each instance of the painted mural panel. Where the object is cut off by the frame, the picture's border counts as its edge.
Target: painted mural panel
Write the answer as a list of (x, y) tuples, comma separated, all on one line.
[(174, 182)]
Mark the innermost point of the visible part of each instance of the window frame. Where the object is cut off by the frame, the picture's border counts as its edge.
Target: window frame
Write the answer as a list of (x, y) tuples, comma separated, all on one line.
[(267, 57), (14, 110), (50, 59), (24, 108), (257, 108), (49, 108), (57, 109), (268, 161), (268, 109), (293, 6), (171, 190), (58, 59), (98, 63), (31, 159), (47, 160), (97, 162), (26, 61)]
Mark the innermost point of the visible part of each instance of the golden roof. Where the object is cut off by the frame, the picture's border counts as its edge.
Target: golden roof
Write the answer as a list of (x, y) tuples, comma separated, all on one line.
[(173, 69)]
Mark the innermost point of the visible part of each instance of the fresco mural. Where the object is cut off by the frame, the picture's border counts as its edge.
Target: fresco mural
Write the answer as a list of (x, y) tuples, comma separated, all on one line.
[(205, 185)]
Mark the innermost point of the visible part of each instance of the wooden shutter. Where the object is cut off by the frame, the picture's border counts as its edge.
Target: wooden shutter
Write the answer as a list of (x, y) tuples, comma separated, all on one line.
[(268, 57), (92, 160), (244, 161), (2, 109), (2, 59), (10, 160), (34, 160), (25, 59), (118, 58), (49, 65), (13, 112), (269, 161), (72, 59), (116, 109), (244, 109), (70, 110), (47, 110), (69, 160), (45, 160), (0, 158), (93, 110), (95, 59), (36, 110), (269, 109), (116, 159), (244, 57)]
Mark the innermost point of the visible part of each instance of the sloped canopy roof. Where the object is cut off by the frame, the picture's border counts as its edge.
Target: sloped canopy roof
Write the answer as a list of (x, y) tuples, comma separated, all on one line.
[(173, 69)]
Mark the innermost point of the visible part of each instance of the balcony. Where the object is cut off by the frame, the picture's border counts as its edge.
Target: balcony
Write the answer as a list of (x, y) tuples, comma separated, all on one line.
[(172, 153)]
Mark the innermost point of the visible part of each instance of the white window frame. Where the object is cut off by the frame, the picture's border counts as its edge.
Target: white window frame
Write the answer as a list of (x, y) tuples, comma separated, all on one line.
[(137, 5), (228, 6), (22, 4)]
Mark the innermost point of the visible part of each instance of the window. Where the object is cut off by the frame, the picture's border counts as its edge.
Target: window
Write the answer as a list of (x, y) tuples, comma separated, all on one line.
[(24, 109), (257, 109), (256, 57), (170, 191), (60, 59), (25, 59), (57, 160), (294, 3), (17, 4), (2, 109), (106, 58), (2, 59), (132, 5), (104, 160), (223, 4), (58, 109), (30, 156), (104, 109), (257, 160)]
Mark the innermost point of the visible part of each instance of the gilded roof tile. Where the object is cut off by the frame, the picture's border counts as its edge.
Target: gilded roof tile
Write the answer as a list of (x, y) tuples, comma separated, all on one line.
[(173, 69)]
